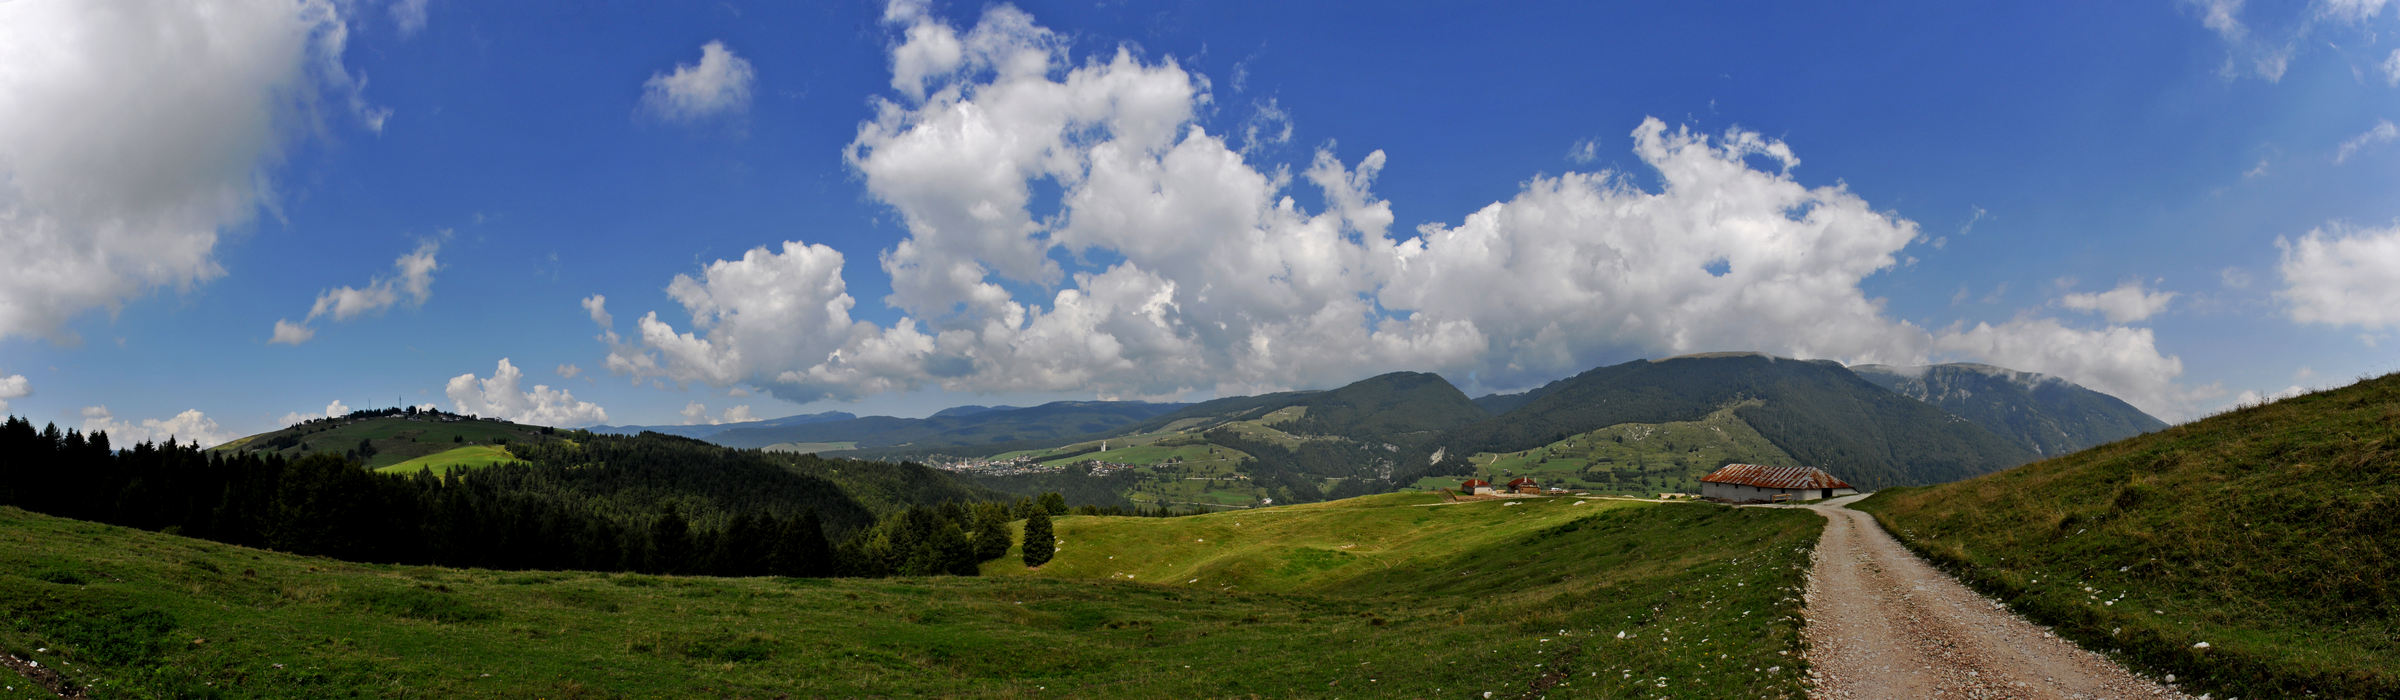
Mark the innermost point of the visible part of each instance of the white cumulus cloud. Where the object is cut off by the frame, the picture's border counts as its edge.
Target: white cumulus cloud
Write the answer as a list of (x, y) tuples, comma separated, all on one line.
[(1220, 281), (132, 132), (696, 413), (597, 307), (334, 409), (499, 397), (289, 333), (2341, 275), (2251, 397), (2121, 361), (716, 86), (2128, 303), (187, 427), (411, 282), (13, 386)]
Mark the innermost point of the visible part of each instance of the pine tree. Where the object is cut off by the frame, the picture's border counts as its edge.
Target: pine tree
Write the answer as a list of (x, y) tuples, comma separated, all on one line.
[(670, 543), (991, 536), (1039, 543), (809, 554)]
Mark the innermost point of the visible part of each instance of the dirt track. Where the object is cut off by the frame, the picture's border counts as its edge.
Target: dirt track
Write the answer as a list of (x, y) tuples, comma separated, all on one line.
[(1881, 623)]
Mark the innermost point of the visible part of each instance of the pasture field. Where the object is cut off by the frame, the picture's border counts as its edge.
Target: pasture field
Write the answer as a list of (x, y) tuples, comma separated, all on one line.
[(440, 463), (1374, 597), (1632, 457)]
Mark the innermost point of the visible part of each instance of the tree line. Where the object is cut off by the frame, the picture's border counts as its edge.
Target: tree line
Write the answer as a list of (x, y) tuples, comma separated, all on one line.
[(650, 503)]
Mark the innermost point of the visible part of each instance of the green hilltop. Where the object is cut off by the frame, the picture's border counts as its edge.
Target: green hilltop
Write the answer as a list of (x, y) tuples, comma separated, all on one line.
[(398, 440), (2272, 533)]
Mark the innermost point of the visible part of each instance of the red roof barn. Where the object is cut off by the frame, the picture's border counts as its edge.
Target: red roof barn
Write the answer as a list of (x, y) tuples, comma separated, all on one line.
[(1750, 483), (1475, 487)]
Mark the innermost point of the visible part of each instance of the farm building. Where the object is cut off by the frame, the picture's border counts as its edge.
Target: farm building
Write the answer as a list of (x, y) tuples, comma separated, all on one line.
[(1752, 483), (1476, 487), (1524, 484)]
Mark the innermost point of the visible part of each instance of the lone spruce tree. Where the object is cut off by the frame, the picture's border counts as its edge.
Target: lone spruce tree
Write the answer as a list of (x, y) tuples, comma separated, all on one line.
[(1039, 544)]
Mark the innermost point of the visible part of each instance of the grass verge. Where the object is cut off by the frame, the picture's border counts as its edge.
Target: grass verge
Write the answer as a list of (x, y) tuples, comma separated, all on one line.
[(2265, 533)]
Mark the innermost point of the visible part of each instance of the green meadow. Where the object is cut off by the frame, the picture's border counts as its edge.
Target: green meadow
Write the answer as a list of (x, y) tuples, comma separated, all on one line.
[(1396, 595), (443, 462)]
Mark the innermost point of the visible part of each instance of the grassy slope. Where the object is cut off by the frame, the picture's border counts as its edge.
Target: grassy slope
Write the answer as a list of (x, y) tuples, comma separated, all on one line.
[(469, 457), (1679, 453), (1535, 596), (1488, 590), (2266, 532), (1207, 474)]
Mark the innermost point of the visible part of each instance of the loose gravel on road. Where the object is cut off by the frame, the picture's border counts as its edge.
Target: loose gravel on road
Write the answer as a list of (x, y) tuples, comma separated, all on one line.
[(1881, 623)]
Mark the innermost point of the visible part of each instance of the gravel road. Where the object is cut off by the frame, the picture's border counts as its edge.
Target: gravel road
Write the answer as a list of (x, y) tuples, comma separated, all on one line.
[(1882, 623)]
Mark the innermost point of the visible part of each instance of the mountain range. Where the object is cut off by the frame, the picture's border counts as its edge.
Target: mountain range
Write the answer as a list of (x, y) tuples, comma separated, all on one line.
[(2046, 414), (1874, 425)]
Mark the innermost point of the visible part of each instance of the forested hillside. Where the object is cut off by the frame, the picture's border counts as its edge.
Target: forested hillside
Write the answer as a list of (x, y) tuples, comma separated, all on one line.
[(651, 503), (1817, 412), (1288, 447), (1398, 408)]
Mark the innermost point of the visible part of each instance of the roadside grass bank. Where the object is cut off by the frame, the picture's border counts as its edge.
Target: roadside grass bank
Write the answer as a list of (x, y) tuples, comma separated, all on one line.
[(2250, 554)]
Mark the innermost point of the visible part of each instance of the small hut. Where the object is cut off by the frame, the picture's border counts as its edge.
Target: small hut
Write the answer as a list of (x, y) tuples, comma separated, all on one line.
[(1476, 487), (1524, 484)]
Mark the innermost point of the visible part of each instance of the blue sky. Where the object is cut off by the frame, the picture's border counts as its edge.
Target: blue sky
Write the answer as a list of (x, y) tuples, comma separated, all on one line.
[(222, 216)]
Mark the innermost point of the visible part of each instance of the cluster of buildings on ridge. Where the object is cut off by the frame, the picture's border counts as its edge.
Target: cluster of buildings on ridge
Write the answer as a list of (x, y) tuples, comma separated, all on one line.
[(1732, 483), (1029, 465)]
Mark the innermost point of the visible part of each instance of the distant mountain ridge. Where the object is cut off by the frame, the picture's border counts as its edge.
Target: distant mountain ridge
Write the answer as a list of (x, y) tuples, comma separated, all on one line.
[(2045, 414), (1876, 425), (1818, 411), (1057, 421), (704, 432)]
